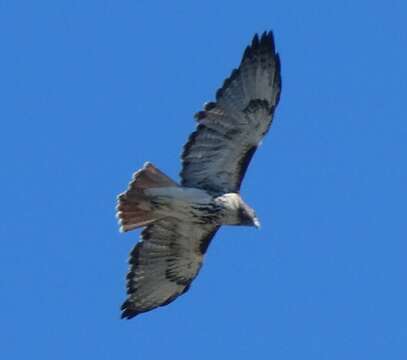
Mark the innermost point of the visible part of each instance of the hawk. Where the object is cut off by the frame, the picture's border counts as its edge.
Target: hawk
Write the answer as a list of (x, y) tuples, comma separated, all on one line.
[(180, 220)]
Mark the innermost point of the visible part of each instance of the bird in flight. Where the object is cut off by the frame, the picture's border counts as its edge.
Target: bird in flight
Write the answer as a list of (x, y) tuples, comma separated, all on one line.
[(180, 219)]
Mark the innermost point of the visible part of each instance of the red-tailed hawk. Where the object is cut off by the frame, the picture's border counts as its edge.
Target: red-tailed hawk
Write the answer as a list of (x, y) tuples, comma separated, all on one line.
[(180, 220)]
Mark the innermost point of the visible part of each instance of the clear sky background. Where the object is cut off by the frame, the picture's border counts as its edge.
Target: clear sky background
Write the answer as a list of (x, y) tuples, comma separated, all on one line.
[(92, 89)]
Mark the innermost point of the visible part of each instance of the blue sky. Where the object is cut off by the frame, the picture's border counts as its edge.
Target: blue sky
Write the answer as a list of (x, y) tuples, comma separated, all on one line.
[(92, 89)]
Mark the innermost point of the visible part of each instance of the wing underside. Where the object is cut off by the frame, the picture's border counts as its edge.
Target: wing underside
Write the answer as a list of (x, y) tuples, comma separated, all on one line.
[(229, 130), (164, 263)]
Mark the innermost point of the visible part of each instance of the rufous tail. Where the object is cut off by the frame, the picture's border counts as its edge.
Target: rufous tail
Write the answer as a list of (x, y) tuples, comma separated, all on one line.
[(134, 207)]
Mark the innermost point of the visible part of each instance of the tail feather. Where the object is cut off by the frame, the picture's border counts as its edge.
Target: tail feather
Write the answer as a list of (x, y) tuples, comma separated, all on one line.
[(150, 177), (134, 212), (134, 207)]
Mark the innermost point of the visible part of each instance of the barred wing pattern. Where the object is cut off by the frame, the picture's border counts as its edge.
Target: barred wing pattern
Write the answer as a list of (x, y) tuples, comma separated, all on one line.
[(217, 154), (164, 263), (170, 253)]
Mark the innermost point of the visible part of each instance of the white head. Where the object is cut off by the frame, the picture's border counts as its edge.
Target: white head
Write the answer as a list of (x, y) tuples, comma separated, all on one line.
[(237, 212)]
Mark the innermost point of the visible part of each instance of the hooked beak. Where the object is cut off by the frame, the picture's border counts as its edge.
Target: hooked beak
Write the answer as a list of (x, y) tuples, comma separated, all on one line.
[(256, 223)]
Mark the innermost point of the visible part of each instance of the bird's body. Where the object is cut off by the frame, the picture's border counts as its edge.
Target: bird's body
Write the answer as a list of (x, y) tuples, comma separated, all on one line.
[(180, 220), (182, 203), (194, 205)]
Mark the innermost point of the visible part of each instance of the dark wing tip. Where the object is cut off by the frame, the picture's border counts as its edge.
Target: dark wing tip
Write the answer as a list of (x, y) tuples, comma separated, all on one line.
[(255, 41), (127, 311), (267, 41), (259, 45), (264, 43)]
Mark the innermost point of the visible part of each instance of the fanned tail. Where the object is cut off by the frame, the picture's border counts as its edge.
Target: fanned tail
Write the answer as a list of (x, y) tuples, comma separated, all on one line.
[(134, 208)]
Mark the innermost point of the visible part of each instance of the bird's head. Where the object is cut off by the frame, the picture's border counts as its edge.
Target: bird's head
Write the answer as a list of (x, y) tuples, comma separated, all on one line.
[(237, 212), (247, 216)]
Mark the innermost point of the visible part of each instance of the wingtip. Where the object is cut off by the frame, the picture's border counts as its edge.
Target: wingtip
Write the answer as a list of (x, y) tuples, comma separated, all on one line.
[(255, 41), (265, 41), (127, 313), (265, 37)]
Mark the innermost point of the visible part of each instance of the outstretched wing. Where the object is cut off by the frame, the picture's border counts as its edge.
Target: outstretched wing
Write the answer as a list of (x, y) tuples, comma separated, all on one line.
[(164, 263), (217, 154)]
